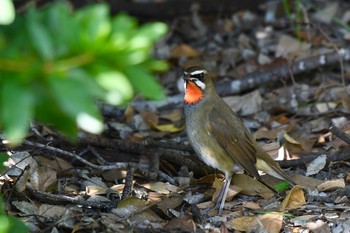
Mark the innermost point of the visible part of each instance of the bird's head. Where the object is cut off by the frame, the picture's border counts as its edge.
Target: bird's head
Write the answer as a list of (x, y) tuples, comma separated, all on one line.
[(198, 84)]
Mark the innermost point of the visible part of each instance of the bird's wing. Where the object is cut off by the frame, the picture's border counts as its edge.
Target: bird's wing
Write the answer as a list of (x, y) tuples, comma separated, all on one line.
[(235, 140)]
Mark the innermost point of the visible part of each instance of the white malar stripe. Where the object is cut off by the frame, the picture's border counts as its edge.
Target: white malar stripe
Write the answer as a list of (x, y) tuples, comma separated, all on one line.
[(199, 83), (185, 85), (198, 72)]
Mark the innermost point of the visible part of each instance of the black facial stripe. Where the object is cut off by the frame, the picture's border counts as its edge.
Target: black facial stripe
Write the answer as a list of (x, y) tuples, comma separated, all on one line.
[(199, 76)]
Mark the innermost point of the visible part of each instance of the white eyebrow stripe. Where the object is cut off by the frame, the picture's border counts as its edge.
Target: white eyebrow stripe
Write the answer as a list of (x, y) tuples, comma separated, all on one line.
[(200, 84), (198, 72)]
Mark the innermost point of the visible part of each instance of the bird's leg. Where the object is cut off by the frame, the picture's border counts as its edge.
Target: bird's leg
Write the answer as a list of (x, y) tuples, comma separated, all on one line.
[(223, 193), (220, 200)]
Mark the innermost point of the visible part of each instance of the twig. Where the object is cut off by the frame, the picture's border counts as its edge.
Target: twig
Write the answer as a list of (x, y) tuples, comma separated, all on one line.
[(337, 156), (340, 134), (251, 81), (63, 199), (128, 182), (121, 165)]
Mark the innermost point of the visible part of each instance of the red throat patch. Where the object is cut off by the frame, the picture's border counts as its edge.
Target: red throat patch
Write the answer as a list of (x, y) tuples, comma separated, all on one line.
[(193, 93)]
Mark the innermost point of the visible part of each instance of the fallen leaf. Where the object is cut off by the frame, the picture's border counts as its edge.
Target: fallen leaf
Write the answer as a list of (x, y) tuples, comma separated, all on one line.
[(248, 104), (264, 133), (232, 191), (51, 211), (95, 190), (294, 199), (184, 50), (26, 208), (42, 178), (56, 164), (169, 202), (251, 205), (161, 187), (290, 139), (173, 115), (316, 165), (318, 227), (291, 48), (251, 186), (331, 185), (180, 225), (271, 223), (136, 210), (326, 14), (305, 181), (150, 118), (240, 223), (171, 128)]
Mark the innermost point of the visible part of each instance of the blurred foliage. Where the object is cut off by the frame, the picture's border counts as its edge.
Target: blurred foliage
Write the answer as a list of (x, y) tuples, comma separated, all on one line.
[(7, 12), (55, 63), (8, 223)]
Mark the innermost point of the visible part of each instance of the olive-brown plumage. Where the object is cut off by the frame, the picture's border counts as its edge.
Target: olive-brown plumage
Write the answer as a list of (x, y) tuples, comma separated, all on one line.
[(218, 135)]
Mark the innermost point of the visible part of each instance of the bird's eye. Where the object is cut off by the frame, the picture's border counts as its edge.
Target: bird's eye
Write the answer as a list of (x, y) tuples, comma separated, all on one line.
[(198, 74)]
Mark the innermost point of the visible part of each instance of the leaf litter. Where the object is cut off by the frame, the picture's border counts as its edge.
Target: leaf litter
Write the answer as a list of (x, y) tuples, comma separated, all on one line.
[(142, 175)]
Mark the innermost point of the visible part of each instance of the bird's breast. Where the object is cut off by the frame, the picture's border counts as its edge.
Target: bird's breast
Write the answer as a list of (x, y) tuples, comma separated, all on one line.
[(206, 147)]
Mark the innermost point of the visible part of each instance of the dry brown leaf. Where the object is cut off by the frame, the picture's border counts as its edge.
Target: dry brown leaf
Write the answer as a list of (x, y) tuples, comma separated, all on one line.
[(174, 115), (318, 227), (184, 50), (169, 202), (136, 210), (209, 179), (305, 181), (248, 104), (25, 207), (316, 165), (290, 139), (95, 190), (180, 225), (161, 187), (331, 185), (251, 205), (57, 164), (232, 191), (171, 128), (264, 133), (291, 48), (271, 223), (240, 223), (347, 179), (150, 118), (42, 178), (251, 186), (51, 211), (294, 199)]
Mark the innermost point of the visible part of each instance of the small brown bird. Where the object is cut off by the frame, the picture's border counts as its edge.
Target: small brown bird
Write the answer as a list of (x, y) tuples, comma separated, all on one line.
[(218, 135)]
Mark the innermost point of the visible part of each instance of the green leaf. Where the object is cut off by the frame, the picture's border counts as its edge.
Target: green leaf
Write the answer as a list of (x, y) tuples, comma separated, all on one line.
[(123, 28), (153, 31), (95, 22), (7, 12), (10, 224), (117, 85), (3, 158), (144, 82), (281, 186), (48, 111), (39, 36), (64, 37), (17, 226), (16, 109), (76, 99)]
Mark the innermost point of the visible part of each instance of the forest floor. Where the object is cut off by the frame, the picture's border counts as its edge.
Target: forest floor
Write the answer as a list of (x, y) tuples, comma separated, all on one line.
[(287, 81)]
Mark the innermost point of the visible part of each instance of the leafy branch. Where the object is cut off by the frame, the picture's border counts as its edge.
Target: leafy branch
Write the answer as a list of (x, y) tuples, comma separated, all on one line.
[(55, 63)]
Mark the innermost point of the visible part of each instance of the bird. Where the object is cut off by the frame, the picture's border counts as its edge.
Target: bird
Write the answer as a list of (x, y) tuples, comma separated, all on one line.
[(219, 137)]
